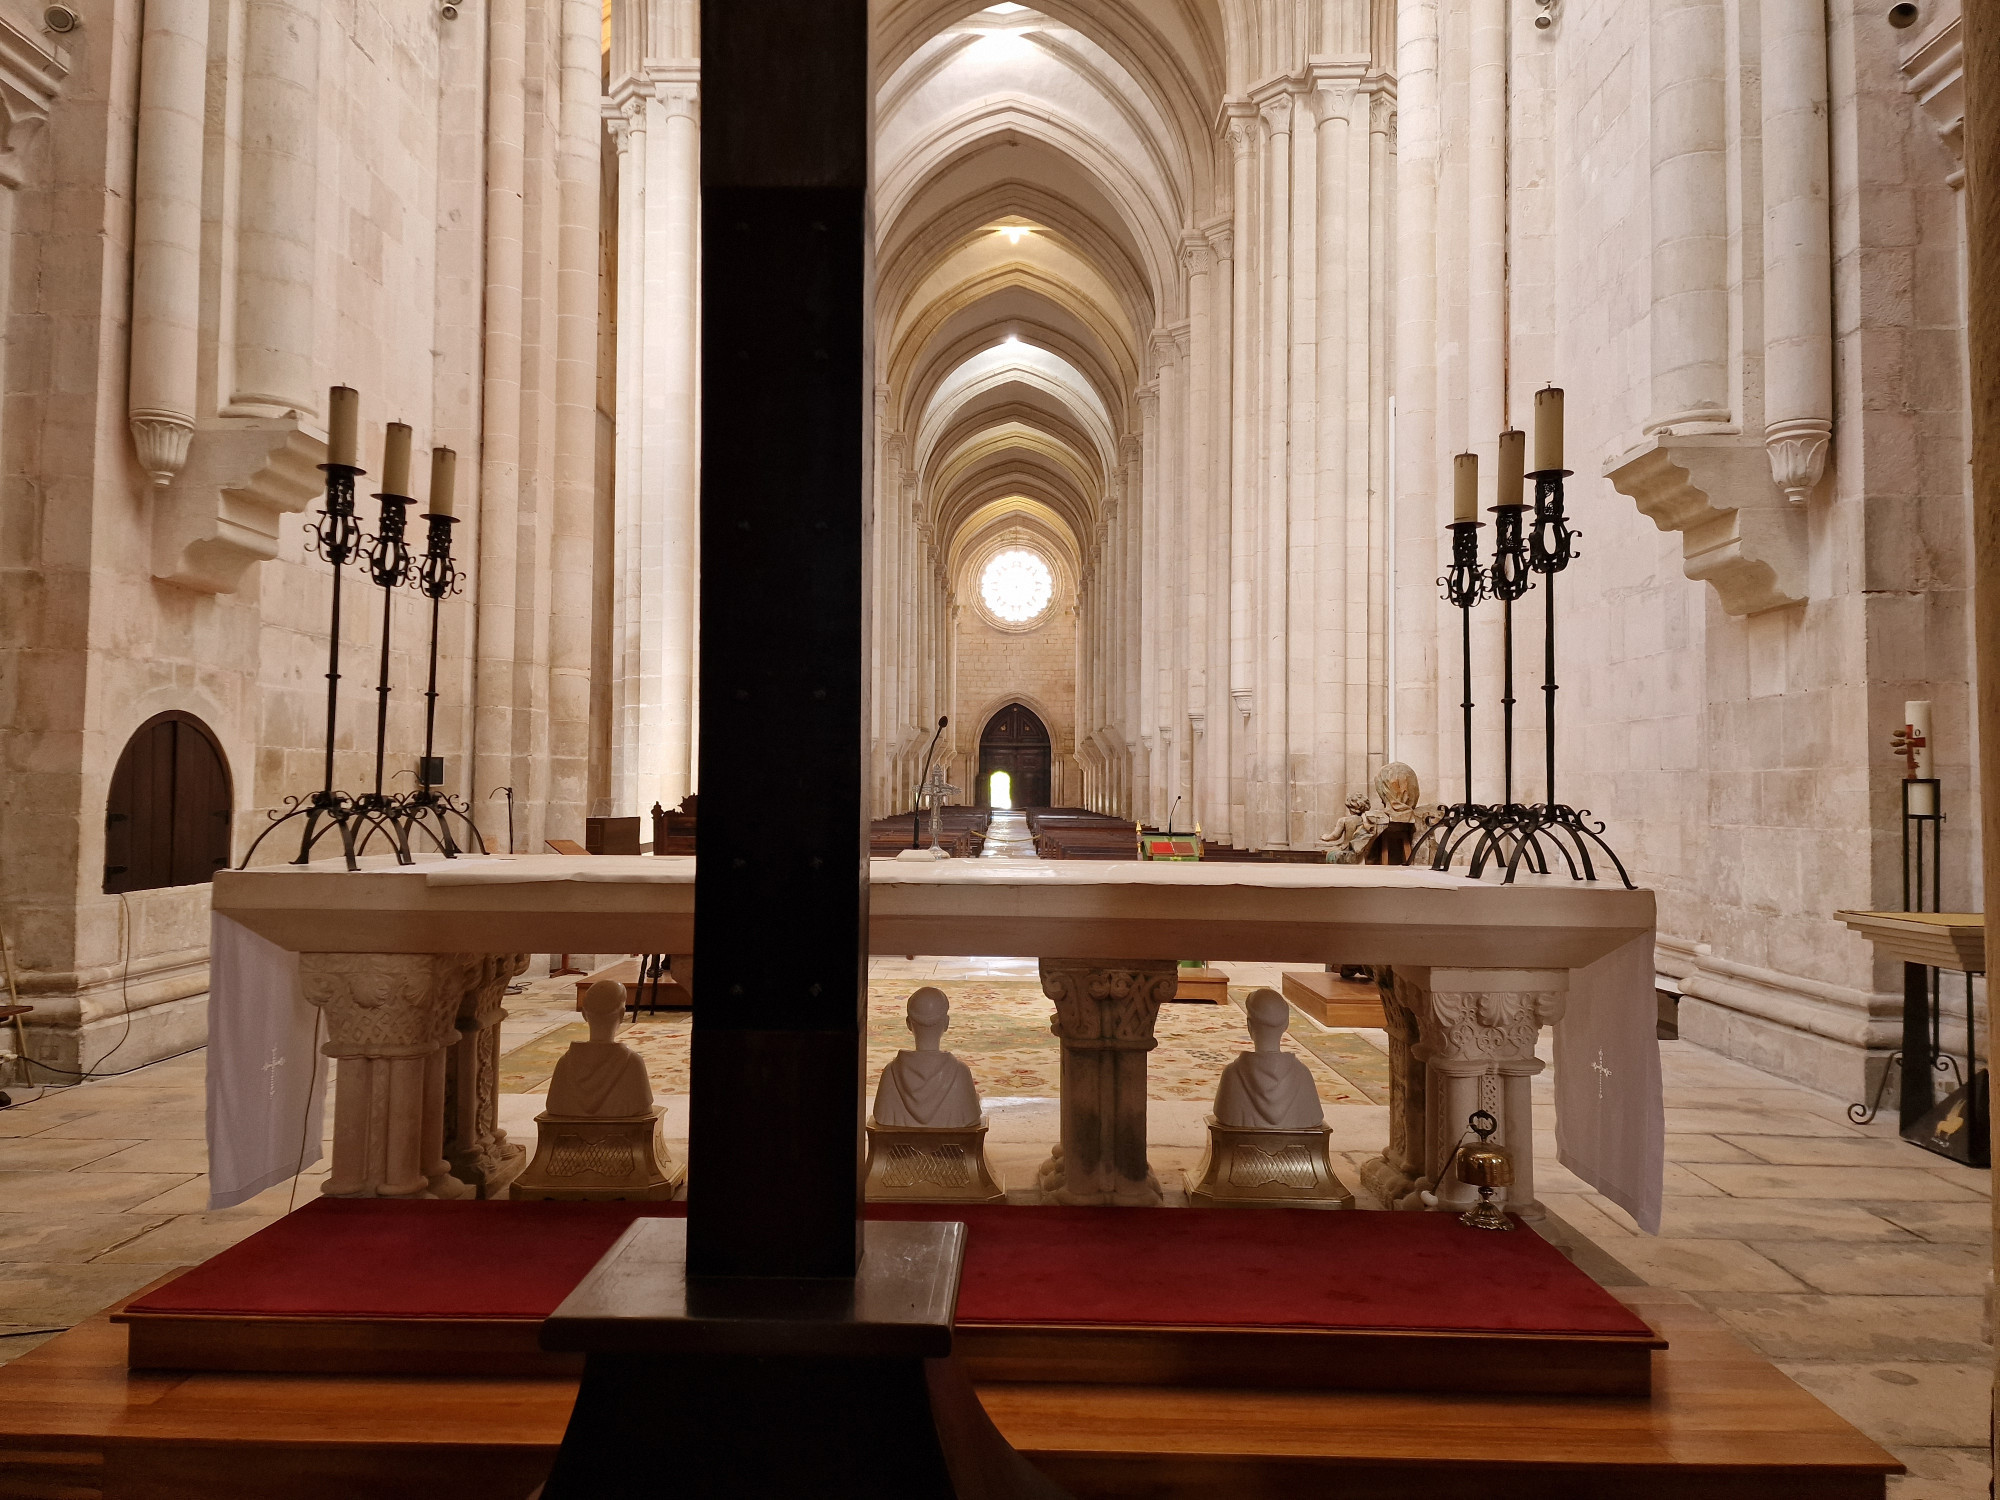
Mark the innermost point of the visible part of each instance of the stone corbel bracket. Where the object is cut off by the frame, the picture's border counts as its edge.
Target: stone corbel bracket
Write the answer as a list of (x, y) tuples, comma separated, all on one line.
[(223, 511), (30, 74), (1738, 534)]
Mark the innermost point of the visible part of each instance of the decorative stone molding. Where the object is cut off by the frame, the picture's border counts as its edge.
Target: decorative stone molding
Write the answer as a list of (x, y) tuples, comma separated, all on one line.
[(221, 514), (161, 439), (1797, 451), (475, 1146), (1242, 698), (30, 75), (1736, 535), (1933, 71), (1104, 1017)]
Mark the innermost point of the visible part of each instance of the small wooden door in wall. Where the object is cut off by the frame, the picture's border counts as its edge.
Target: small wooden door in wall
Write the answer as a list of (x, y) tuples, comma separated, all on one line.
[(167, 821)]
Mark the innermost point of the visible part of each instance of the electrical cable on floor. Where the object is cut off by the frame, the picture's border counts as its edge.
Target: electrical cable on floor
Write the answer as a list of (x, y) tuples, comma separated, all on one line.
[(305, 1125)]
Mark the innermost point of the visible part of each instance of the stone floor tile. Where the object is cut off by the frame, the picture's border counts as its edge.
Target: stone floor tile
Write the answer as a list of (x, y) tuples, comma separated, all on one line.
[(177, 1122), (171, 1154), (1962, 1223), (1815, 1326), (1942, 1474), (43, 1296), (1703, 1265), (1700, 1147), (186, 1240), (68, 1238), (189, 1196), (1775, 1219), (1741, 1181), (47, 1193), (32, 1116), (1906, 1403), (1973, 1179), (1581, 1211), (53, 1151), (1915, 1270), (1742, 1120), (1819, 1151)]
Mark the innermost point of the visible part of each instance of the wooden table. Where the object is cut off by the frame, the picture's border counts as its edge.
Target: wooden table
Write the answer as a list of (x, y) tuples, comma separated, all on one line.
[(410, 965), (1722, 1424)]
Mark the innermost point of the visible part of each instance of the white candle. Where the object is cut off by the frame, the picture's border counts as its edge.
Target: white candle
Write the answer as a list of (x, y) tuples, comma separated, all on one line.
[(1548, 429), (343, 425), (444, 479), (1465, 474), (1511, 460), (396, 459)]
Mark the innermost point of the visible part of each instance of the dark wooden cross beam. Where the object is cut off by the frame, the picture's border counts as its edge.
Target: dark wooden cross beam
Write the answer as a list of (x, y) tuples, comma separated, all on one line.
[(781, 890), (776, 1345)]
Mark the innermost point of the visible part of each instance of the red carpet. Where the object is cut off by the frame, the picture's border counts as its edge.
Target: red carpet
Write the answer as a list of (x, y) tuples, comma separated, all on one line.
[(368, 1258)]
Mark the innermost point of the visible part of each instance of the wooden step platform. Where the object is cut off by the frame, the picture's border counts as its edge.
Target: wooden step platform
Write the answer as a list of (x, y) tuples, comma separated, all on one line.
[(1721, 1424), (1333, 1001)]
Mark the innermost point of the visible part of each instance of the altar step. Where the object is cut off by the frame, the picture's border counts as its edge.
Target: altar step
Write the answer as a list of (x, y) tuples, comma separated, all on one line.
[(1266, 1297), (1721, 1424)]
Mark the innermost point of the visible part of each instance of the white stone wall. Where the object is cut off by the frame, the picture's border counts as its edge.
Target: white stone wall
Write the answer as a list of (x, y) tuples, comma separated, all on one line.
[(124, 596)]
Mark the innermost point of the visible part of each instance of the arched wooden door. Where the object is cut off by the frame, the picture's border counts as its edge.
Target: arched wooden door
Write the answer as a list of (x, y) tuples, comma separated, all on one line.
[(1017, 742), (167, 821)]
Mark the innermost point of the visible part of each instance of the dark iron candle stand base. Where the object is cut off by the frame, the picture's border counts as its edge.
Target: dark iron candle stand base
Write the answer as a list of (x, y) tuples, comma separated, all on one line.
[(429, 812)]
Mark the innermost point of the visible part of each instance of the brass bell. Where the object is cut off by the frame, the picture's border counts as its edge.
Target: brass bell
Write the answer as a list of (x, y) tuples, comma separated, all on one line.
[(1486, 1167)]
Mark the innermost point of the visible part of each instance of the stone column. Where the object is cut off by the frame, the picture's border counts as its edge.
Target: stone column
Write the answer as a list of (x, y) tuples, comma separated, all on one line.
[(1242, 133), (1689, 328), (672, 416), (476, 1147), (1462, 1040), (1335, 498), (277, 212), (389, 1019), (496, 593), (1798, 245), (1415, 614), (166, 234), (629, 130), (1105, 1010), (1222, 467), (1270, 821)]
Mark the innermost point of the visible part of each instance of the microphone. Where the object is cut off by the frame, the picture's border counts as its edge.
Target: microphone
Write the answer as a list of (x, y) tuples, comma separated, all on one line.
[(917, 812), (1170, 814)]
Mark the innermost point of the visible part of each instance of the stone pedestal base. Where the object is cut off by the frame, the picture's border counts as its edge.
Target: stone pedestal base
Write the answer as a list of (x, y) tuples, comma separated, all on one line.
[(929, 1164), (1105, 1010), (599, 1160), (1278, 1168), (1461, 1040)]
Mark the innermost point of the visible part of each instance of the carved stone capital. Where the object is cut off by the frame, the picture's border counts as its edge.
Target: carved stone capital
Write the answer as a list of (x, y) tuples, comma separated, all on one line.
[(1197, 255), (1108, 1002), (1240, 129), (162, 440), (1798, 455), (385, 1004), (1277, 112), (1487, 1026)]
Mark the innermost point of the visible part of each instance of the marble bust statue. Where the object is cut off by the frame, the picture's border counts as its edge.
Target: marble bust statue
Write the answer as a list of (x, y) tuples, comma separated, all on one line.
[(601, 1078), (924, 1086), (1268, 1089)]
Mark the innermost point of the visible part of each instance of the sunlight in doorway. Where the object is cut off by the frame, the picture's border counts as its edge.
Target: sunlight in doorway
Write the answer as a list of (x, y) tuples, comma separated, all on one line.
[(1001, 787)]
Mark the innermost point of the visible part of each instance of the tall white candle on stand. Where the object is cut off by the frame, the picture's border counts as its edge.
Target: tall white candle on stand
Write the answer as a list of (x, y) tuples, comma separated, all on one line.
[(1917, 716)]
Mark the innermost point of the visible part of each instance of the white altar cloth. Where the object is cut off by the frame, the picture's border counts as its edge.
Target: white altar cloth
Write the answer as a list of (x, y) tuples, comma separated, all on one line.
[(1609, 1123), (266, 1078)]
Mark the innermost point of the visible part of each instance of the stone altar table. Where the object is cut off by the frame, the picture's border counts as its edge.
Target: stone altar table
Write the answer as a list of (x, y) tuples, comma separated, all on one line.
[(390, 953)]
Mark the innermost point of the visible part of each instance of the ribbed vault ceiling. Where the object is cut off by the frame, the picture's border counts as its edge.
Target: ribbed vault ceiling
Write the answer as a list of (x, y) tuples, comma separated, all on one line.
[(1035, 171)]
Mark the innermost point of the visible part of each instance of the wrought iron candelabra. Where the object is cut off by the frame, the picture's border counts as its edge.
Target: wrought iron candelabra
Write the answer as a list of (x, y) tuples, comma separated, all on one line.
[(1511, 834), (336, 536), (429, 810), (388, 565)]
